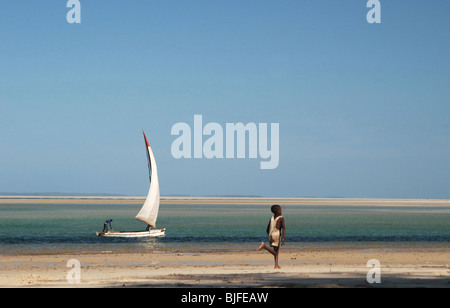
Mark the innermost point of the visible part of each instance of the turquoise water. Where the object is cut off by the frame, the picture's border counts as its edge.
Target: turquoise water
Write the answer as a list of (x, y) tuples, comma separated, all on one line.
[(57, 228)]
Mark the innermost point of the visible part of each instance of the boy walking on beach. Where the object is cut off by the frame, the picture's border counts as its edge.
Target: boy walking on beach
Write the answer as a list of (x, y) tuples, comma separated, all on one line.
[(276, 231)]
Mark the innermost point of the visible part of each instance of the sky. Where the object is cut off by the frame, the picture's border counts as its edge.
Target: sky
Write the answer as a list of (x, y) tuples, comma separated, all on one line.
[(363, 109)]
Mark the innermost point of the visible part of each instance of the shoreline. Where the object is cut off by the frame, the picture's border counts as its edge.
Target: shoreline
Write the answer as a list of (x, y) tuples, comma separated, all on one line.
[(25, 199), (312, 267), (339, 264)]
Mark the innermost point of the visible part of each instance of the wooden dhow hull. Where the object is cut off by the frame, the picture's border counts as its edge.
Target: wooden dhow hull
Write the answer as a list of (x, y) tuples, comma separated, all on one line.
[(134, 234)]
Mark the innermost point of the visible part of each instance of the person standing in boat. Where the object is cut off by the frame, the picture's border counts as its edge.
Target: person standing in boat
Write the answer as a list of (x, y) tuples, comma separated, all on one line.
[(276, 231), (105, 225)]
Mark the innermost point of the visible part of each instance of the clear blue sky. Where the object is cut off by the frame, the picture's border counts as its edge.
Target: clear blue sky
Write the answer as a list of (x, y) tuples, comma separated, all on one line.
[(363, 108)]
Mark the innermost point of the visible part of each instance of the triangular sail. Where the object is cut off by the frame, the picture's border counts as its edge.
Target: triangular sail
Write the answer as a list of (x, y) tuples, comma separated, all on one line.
[(149, 211)]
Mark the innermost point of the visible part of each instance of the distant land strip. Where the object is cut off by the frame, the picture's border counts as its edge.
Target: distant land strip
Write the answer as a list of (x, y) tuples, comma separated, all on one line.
[(38, 199)]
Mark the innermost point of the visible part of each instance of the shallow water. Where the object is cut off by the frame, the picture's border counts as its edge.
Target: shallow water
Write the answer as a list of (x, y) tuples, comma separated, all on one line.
[(66, 228)]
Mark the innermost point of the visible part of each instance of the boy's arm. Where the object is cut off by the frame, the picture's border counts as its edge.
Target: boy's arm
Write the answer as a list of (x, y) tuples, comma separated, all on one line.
[(283, 230), (268, 228)]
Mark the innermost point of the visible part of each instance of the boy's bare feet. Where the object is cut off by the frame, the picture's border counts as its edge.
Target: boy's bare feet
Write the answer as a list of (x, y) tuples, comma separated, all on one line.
[(260, 247), (277, 267)]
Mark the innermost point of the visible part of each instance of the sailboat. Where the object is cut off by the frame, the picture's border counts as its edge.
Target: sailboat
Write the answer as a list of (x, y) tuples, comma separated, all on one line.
[(149, 211)]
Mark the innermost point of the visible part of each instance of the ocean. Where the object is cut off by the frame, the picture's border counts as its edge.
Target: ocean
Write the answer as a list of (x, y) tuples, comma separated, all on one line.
[(68, 228)]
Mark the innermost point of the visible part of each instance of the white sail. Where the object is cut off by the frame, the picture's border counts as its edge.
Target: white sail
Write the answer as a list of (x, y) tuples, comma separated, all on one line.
[(149, 211)]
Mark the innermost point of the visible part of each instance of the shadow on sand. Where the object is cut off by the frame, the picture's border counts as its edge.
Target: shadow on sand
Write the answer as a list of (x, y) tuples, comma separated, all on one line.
[(280, 280)]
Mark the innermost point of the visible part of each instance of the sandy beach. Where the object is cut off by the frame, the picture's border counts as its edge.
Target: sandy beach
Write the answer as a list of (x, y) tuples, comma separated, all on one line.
[(312, 267), (36, 199), (302, 266)]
